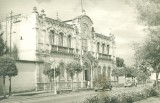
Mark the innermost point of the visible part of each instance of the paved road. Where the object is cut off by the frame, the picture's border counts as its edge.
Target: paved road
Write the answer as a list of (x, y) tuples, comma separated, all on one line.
[(63, 98)]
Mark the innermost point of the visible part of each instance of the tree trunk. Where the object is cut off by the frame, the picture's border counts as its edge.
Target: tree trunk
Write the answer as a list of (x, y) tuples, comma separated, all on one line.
[(10, 86), (72, 83), (4, 88), (50, 79), (117, 79), (157, 74)]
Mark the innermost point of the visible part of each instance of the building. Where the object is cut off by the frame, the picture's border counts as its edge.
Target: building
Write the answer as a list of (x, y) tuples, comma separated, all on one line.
[(37, 39)]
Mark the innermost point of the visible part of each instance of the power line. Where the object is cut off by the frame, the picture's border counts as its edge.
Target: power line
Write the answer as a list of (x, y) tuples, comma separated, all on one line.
[(11, 17)]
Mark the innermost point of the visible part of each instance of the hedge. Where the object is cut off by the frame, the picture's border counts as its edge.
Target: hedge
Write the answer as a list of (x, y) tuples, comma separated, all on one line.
[(122, 97)]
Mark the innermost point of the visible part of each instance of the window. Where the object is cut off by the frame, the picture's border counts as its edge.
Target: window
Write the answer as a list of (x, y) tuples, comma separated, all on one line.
[(103, 46), (52, 35), (61, 39), (98, 47), (108, 47), (62, 69), (84, 44), (104, 70), (99, 70), (108, 72), (69, 41)]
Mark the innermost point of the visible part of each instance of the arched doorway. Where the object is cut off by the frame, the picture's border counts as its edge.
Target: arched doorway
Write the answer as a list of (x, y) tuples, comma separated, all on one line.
[(87, 72)]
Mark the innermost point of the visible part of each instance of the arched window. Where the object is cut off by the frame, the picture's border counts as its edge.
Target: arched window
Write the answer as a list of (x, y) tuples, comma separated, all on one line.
[(108, 47), (69, 41), (98, 47), (84, 44), (60, 39), (99, 70), (109, 72), (52, 35), (61, 67), (103, 46), (104, 70)]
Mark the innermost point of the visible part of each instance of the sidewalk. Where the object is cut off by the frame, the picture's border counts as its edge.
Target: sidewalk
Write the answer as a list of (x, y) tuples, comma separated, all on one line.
[(19, 97), (26, 95)]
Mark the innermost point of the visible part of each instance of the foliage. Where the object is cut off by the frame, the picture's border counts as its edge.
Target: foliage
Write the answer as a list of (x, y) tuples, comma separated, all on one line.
[(149, 15), (130, 72), (3, 46), (119, 62), (149, 54), (122, 97), (118, 72), (143, 76), (7, 66), (50, 72), (100, 79), (73, 68), (125, 71), (148, 11)]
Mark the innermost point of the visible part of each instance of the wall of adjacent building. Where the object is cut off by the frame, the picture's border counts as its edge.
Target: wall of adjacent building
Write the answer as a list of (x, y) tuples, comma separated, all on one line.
[(23, 37), (25, 80)]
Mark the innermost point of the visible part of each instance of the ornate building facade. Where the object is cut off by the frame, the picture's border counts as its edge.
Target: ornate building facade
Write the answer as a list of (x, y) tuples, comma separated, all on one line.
[(37, 39)]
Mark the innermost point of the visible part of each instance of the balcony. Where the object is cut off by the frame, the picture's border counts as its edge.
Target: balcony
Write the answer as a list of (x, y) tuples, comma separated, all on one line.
[(62, 50), (104, 56)]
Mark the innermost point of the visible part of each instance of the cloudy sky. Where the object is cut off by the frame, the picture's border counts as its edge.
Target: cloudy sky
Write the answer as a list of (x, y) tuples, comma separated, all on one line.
[(108, 16)]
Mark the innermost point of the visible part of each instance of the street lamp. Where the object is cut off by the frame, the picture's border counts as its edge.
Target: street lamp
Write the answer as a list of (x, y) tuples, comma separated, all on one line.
[(54, 66)]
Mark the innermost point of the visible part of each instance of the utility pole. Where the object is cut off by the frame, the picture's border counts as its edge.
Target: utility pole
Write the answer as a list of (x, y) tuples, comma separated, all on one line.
[(10, 32), (6, 31), (11, 17)]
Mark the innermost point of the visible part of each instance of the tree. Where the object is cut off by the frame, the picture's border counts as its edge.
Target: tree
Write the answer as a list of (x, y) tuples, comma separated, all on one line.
[(72, 69), (50, 72), (130, 72), (151, 56), (143, 76), (7, 68), (3, 45), (119, 62), (149, 15), (117, 72)]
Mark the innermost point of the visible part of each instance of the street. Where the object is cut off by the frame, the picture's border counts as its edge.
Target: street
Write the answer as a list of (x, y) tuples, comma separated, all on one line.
[(63, 98)]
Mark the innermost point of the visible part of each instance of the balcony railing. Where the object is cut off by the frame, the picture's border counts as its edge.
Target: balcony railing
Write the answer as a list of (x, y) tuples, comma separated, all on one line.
[(71, 50), (104, 56), (61, 49)]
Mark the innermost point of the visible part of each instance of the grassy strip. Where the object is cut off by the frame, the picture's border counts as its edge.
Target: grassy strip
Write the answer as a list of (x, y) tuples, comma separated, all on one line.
[(122, 97)]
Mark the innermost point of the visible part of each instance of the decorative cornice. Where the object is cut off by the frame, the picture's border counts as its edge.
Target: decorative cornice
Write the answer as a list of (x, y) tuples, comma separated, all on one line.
[(102, 36)]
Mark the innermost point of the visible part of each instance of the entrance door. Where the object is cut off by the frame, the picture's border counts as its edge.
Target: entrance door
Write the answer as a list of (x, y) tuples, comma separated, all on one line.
[(86, 75), (86, 72)]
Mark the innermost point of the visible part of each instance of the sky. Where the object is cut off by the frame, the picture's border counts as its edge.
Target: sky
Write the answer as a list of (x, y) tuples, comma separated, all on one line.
[(115, 16)]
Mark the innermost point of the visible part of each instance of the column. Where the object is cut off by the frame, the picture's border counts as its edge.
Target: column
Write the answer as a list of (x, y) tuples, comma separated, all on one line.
[(82, 74), (91, 76), (65, 77)]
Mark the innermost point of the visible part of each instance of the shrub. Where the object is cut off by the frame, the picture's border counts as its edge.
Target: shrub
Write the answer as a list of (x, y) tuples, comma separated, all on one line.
[(122, 97)]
